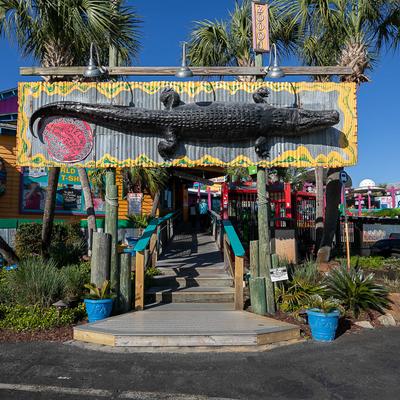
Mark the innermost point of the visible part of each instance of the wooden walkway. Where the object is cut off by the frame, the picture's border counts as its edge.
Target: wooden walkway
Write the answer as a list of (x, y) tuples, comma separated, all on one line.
[(189, 306)]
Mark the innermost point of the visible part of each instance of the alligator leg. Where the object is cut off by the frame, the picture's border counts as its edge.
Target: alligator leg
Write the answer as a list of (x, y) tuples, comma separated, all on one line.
[(168, 145), (170, 98), (260, 96), (262, 147)]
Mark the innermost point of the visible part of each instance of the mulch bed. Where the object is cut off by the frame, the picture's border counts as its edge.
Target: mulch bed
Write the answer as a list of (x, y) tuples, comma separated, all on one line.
[(61, 334)]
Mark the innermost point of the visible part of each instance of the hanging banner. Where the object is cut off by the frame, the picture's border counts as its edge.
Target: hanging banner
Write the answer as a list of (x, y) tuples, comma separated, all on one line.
[(69, 198), (187, 124)]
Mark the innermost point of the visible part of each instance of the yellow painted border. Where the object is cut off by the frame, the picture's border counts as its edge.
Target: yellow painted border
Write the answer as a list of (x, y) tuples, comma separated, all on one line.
[(300, 157)]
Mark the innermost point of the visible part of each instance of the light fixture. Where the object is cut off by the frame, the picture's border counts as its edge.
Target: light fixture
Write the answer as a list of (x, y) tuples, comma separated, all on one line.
[(275, 71), (184, 71), (94, 70)]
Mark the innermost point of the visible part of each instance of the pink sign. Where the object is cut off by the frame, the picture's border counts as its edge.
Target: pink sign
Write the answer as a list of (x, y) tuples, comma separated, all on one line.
[(68, 139)]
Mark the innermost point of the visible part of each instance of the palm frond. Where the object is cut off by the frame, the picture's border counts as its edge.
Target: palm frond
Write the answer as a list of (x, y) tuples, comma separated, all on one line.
[(60, 32)]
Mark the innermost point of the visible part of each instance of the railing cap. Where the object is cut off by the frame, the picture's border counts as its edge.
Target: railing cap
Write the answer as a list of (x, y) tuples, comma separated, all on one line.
[(150, 229), (234, 240)]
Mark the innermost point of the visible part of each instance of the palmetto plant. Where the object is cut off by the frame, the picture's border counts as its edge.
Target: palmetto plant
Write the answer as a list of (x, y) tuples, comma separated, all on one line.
[(58, 33), (219, 43), (356, 291), (342, 32), (138, 179)]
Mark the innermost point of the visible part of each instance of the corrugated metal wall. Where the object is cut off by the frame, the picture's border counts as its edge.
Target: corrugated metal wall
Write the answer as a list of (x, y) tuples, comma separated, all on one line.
[(333, 147)]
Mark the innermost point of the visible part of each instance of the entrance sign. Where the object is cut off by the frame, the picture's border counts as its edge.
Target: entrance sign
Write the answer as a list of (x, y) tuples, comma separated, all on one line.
[(249, 123), (260, 27)]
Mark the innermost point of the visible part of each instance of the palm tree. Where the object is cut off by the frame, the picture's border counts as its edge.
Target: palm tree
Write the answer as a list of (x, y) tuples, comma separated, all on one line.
[(58, 33), (350, 33), (153, 180), (225, 43)]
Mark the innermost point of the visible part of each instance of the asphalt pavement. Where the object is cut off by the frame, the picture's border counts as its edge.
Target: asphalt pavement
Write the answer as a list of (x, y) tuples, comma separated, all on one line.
[(364, 365)]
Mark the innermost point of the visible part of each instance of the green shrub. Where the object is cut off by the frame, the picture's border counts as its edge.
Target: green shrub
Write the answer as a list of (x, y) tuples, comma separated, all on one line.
[(307, 271), (67, 242), (75, 277), (139, 221), (295, 294), (5, 289), (367, 262), (355, 291), (23, 318), (36, 282), (393, 285)]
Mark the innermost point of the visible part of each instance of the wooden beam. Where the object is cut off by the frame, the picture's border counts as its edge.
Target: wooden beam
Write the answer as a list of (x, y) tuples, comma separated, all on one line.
[(197, 71)]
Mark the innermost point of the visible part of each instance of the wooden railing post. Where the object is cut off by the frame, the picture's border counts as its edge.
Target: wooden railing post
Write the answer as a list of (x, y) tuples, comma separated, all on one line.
[(153, 249), (139, 281), (239, 266), (125, 282)]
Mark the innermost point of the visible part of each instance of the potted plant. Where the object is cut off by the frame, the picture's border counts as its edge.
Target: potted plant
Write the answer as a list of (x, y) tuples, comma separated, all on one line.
[(323, 318), (139, 222), (99, 302)]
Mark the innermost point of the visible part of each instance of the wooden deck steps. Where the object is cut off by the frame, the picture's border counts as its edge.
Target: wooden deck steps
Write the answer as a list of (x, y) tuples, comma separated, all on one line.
[(191, 308), (192, 271)]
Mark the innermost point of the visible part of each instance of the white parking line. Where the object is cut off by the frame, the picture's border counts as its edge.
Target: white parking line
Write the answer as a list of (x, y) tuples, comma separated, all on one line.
[(133, 395)]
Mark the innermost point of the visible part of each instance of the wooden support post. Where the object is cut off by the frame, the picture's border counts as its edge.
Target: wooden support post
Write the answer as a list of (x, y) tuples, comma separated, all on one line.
[(153, 249), (185, 202), (100, 263), (139, 281), (125, 283), (239, 266), (254, 262), (257, 295), (264, 238), (111, 227)]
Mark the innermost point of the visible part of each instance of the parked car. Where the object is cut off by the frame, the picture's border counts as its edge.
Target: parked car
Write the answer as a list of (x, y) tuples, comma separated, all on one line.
[(386, 248)]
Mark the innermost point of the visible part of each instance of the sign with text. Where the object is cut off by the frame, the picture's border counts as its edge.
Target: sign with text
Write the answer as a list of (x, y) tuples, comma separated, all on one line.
[(260, 25), (69, 199), (135, 203), (279, 274)]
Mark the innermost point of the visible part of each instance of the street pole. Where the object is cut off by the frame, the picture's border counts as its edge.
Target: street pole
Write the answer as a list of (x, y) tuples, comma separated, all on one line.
[(264, 225)]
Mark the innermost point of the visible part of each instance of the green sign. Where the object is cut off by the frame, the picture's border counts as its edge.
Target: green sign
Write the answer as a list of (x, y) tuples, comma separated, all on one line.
[(252, 170), (69, 199)]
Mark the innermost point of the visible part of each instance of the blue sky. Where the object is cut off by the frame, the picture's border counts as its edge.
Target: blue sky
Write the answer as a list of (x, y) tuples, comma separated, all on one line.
[(167, 23)]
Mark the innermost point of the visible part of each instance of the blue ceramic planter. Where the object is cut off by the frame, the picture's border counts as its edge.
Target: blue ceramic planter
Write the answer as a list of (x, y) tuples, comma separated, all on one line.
[(98, 309), (323, 325)]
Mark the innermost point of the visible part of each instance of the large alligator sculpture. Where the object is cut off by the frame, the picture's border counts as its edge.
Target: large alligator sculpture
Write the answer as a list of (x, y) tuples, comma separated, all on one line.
[(207, 121)]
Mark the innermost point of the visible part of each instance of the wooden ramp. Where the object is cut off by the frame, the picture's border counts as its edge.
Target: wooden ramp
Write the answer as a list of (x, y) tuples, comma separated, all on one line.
[(191, 305)]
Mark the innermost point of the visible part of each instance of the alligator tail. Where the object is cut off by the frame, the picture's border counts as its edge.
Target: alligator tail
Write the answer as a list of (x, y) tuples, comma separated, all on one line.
[(111, 116)]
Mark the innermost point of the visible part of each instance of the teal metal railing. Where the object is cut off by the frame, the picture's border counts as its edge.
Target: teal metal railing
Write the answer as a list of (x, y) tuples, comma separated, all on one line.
[(233, 238), (156, 235)]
